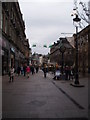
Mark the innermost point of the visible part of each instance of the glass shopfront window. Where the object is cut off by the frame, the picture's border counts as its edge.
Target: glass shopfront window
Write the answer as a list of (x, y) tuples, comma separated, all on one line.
[(4, 62)]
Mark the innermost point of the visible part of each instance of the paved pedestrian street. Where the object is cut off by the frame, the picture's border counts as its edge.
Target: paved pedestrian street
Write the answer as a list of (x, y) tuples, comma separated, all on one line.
[(39, 97)]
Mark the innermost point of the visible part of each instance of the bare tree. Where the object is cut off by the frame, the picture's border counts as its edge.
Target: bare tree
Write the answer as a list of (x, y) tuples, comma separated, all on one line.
[(85, 15), (83, 11)]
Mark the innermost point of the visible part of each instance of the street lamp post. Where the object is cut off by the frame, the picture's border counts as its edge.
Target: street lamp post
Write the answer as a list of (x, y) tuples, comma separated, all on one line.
[(62, 50), (76, 19)]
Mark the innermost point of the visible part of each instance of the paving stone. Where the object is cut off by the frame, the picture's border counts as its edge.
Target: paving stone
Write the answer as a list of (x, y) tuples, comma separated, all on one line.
[(38, 97)]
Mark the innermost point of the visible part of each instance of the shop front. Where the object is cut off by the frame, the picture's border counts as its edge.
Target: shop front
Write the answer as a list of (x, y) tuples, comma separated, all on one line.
[(5, 56), (12, 57), (4, 61)]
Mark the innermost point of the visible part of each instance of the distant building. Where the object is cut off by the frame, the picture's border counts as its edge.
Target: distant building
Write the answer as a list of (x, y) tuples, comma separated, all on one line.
[(41, 60), (30, 55), (15, 46), (35, 59), (83, 38), (56, 54), (71, 41)]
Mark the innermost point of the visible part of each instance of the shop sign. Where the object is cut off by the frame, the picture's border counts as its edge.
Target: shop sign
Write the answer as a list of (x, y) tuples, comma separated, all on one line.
[(12, 49)]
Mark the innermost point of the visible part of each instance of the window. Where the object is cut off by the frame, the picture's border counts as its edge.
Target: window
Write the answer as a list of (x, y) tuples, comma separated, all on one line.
[(1, 21), (6, 25), (87, 37)]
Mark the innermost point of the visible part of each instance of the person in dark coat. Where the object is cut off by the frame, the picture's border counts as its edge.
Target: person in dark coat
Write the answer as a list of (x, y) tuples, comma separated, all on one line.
[(18, 70), (37, 68), (67, 73), (24, 69), (32, 69), (45, 70), (72, 73)]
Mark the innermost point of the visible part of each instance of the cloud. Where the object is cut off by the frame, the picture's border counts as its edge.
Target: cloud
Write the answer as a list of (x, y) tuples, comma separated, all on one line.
[(44, 22), (47, 34), (49, 1), (44, 1)]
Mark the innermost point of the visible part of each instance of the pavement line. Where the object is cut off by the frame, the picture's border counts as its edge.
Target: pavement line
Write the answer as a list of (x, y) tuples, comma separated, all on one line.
[(77, 104), (44, 118)]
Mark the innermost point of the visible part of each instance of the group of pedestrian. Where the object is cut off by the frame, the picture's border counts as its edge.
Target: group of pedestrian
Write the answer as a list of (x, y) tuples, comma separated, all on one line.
[(24, 70), (21, 70), (68, 72)]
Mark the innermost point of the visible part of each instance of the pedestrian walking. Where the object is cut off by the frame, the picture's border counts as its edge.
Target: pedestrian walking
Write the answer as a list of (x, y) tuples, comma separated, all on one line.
[(72, 73), (32, 69), (67, 73), (45, 70), (21, 69), (28, 71), (24, 69), (18, 70), (11, 73), (37, 68)]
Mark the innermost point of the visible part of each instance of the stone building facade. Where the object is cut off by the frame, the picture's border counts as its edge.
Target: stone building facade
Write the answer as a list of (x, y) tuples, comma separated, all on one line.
[(56, 54), (84, 50), (15, 46), (83, 38)]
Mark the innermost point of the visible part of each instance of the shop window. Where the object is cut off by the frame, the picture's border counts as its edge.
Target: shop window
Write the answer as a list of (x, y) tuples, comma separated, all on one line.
[(1, 21), (6, 25), (5, 62)]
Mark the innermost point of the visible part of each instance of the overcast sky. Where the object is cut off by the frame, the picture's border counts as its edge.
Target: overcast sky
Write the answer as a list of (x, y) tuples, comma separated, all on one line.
[(45, 21)]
